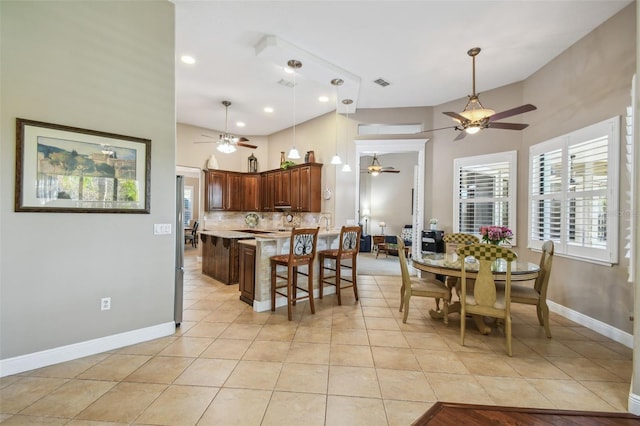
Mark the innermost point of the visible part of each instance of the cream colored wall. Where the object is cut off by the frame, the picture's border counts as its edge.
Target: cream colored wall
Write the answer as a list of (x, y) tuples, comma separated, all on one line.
[(81, 64), (589, 82)]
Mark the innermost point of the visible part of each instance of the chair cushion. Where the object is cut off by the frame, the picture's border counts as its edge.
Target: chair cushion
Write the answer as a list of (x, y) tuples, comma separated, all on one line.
[(429, 285), (406, 234), (521, 292)]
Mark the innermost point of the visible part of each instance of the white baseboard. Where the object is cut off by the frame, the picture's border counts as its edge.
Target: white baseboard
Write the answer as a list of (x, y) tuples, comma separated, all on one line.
[(265, 305), (634, 404), (593, 324), (47, 357)]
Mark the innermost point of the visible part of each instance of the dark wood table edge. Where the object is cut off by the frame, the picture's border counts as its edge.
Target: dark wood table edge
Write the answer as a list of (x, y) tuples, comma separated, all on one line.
[(440, 406)]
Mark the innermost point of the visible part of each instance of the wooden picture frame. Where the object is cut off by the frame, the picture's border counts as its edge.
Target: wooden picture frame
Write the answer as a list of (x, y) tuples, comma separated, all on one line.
[(63, 169)]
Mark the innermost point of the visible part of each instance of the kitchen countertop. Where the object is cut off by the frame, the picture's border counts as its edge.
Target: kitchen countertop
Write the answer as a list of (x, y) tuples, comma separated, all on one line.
[(268, 235)]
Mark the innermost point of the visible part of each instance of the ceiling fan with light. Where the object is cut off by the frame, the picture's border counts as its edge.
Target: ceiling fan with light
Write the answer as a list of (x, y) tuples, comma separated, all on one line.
[(226, 142), (476, 117), (375, 168)]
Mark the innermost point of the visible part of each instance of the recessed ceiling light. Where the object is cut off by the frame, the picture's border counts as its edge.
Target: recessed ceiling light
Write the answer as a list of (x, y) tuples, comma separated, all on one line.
[(268, 109), (188, 59), (323, 99), (240, 123)]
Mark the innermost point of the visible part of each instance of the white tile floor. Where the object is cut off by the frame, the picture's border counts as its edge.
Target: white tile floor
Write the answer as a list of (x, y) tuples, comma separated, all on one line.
[(355, 364)]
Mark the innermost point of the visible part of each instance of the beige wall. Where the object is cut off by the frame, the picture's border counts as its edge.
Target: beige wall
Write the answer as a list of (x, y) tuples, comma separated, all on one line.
[(588, 83), (81, 64)]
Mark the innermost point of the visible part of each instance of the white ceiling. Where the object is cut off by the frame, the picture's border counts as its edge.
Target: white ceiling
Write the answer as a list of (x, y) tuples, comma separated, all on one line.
[(418, 46)]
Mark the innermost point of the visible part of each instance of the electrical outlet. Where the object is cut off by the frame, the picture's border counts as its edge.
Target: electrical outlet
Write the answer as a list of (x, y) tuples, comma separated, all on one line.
[(105, 303)]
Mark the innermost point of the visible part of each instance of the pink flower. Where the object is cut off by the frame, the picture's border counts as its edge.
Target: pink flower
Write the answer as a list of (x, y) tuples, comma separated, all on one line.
[(495, 234)]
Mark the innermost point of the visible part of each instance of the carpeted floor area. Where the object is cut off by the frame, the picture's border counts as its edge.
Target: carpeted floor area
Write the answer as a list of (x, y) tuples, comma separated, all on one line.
[(383, 265)]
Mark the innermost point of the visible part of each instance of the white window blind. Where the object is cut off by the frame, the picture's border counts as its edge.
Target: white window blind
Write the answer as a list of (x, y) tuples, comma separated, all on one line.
[(485, 192), (573, 192)]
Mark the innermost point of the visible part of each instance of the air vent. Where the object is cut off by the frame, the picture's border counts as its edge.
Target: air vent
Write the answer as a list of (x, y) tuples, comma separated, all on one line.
[(382, 82), (286, 83)]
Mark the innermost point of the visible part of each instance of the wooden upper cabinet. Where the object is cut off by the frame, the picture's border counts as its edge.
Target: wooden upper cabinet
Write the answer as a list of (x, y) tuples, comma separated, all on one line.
[(298, 187), (234, 192), (306, 182), (215, 184), (267, 191), (250, 192), (282, 188)]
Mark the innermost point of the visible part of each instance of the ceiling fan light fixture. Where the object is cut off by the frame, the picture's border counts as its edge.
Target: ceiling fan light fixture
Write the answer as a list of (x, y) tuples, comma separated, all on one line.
[(375, 172), (477, 114), (226, 147), (473, 129)]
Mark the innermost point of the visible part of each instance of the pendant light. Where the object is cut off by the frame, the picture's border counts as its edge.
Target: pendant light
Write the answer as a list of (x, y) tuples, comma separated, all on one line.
[(294, 64), (336, 158), (346, 167)]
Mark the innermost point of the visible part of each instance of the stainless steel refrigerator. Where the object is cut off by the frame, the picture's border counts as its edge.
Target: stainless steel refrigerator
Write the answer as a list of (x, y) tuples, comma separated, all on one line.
[(179, 278)]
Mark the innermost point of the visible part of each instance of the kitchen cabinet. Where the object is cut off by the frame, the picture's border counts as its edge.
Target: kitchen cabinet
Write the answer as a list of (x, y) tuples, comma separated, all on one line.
[(250, 192), (267, 189), (247, 272), (282, 192), (215, 184), (306, 181), (234, 192)]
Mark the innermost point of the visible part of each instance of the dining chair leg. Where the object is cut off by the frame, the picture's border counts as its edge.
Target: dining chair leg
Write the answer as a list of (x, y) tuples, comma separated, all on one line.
[(463, 320), (507, 331), (445, 311), (401, 297), (543, 317), (407, 298)]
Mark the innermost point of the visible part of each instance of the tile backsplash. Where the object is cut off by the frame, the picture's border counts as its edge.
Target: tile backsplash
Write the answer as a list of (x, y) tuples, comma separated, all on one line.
[(268, 220)]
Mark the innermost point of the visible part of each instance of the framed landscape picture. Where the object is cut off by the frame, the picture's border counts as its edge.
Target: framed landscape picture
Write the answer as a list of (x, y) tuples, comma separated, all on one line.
[(66, 169)]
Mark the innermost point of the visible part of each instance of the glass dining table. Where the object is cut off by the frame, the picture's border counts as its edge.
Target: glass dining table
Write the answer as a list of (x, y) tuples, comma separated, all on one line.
[(450, 266)]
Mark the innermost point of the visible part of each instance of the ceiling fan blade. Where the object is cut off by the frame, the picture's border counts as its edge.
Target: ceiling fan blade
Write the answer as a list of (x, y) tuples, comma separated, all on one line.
[(205, 141), (389, 171), (246, 145), (208, 136), (433, 130), (511, 112), (460, 136), (243, 139), (456, 116), (507, 126)]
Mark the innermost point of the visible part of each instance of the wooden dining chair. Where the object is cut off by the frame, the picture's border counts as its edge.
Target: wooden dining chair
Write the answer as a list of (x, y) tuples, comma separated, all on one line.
[(424, 287), (193, 235), (302, 252), (452, 242), (331, 260), (536, 295), (486, 300)]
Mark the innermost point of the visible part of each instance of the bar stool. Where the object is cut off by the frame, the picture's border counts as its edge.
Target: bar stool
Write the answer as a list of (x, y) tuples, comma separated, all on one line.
[(348, 248), (302, 251)]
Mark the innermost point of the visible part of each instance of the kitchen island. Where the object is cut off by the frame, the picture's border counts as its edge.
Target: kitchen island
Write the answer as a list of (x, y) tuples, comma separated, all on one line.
[(270, 244), (220, 254)]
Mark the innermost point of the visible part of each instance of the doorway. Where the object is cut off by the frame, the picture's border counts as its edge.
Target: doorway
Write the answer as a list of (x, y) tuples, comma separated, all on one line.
[(416, 147)]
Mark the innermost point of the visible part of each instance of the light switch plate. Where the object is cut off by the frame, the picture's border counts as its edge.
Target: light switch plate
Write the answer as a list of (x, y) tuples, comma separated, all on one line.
[(161, 228)]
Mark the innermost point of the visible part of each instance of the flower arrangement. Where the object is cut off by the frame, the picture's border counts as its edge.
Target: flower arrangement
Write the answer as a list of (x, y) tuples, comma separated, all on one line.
[(496, 234)]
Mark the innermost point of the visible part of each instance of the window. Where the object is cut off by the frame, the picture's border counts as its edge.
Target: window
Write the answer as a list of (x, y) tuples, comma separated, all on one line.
[(573, 192), (485, 192), (187, 214)]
